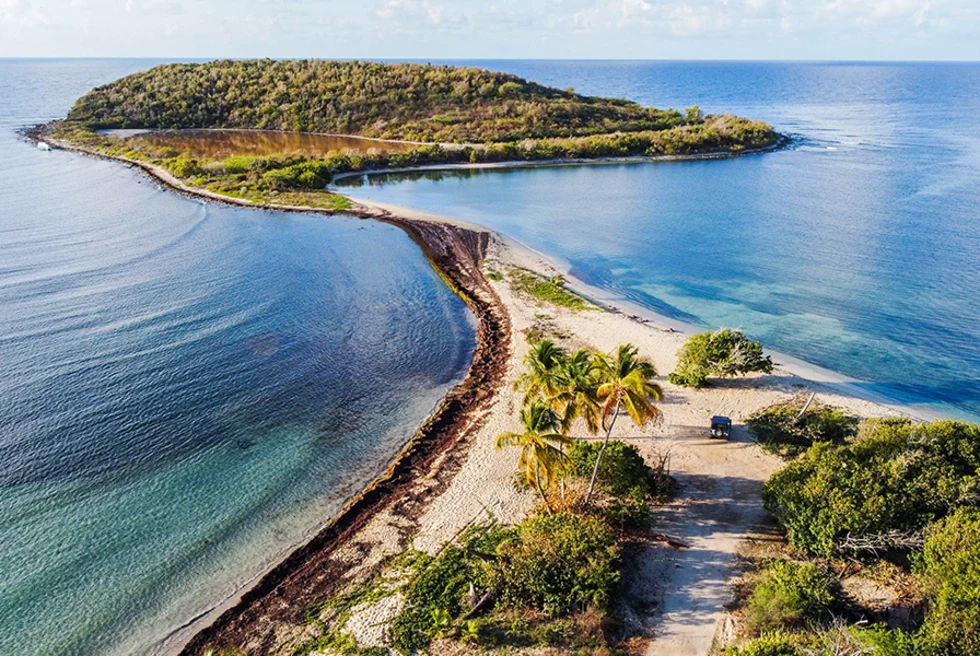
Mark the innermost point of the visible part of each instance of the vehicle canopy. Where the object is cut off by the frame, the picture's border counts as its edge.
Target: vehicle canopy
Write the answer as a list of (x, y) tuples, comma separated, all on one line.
[(719, 421)]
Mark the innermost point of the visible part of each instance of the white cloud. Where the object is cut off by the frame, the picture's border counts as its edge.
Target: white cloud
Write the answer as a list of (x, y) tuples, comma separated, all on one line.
[(490, 28)]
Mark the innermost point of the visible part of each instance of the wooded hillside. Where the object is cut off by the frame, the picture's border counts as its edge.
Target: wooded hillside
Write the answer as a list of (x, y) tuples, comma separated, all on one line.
[(398, 101)]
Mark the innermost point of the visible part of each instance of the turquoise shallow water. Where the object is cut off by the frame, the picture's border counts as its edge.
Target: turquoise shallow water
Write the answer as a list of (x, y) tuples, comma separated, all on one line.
[(857, 249), (188, 390)]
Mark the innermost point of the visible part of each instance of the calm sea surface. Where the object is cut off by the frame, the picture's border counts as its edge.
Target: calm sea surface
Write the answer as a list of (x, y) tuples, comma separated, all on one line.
[(858, 249), (186, 390)]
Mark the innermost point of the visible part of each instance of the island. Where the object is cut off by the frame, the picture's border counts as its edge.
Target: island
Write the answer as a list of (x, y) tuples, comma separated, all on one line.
[(567, 496), (416, 115)]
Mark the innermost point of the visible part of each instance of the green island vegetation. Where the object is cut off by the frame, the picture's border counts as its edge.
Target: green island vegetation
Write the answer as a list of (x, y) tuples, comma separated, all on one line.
[(553, 581), (458, 115), (883, 539), (723, 353)]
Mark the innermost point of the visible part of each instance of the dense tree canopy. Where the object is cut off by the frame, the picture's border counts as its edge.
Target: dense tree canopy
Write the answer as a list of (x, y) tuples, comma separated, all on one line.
[(403, 101), (893, 480)]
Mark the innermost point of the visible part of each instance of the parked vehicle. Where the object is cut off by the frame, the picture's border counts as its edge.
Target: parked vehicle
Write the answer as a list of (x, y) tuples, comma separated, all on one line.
[(721, 427)]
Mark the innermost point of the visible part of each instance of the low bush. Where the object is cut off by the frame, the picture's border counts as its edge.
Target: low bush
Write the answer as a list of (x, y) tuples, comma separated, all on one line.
[(791, 595), (783, 430), (549, 290), (237, 164), (894, 479), (883, 641), (769, 644), (720, 353), (558, 564), (185, 166), (435, 594), (621, 471), (553, 567), (950, 571)]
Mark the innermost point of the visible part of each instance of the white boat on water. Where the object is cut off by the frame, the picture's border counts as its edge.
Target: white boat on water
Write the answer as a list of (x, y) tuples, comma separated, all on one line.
[(43, 146)]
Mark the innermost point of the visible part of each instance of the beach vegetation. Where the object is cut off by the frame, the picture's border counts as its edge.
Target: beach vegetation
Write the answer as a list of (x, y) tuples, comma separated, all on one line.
[(879, 491), (793, 426), (892, 513), (530, 584), (949, 568), (791, 595), (546, 290), (625, 384), (722, 353), (185, 166), (621, 470), (541, 460), (769, 644), (596, 388)]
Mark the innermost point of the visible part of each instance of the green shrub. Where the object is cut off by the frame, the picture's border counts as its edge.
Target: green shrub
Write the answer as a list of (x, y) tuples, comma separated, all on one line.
[(434, 596), (887, 642), (558, 564), (895, 477), (624, 476), (791, 595), (628, 511), (237, 164), (769, 644), (781, 429), (185, 166), (950, 570), (622, 468), (720, 353), (310, 174), (549, 290)]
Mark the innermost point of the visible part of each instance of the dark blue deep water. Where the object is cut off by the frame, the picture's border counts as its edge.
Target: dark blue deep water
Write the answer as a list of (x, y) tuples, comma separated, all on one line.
[(857, 249), (186, 390)]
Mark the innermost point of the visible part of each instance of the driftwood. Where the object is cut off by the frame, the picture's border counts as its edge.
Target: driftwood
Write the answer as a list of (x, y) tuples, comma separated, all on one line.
[(887, 541), (806, 406)]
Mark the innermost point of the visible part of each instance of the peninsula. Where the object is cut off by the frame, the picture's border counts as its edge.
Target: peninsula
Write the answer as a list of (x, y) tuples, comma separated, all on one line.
[(448, 551)]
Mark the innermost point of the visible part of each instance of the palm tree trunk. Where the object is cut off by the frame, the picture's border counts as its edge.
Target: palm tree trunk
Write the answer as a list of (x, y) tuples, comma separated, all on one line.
[(537, 485), (598, 459), (561, 448)]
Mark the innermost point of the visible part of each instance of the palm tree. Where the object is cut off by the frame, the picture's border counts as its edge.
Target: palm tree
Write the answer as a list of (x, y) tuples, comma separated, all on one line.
[(626, 383), (544, 363), (541, 461), (575, 396)]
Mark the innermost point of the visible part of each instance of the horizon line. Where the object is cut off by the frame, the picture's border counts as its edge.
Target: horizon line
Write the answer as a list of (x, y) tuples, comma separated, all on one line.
[(479, 59)]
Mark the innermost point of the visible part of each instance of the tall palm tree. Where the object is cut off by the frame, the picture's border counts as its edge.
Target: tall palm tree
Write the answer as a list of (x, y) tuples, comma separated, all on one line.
[(575, 397), (544, 362), (626, 383), (541, 460)]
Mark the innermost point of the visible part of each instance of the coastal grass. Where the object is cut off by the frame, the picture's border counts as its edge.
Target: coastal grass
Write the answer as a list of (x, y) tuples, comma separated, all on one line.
[(546, 290)]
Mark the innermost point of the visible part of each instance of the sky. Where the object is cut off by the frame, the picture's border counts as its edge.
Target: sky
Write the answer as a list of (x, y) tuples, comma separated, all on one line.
[(494, 29)]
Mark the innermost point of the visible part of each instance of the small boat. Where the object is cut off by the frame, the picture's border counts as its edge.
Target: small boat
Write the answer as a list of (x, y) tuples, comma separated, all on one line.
[(43, 146)]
